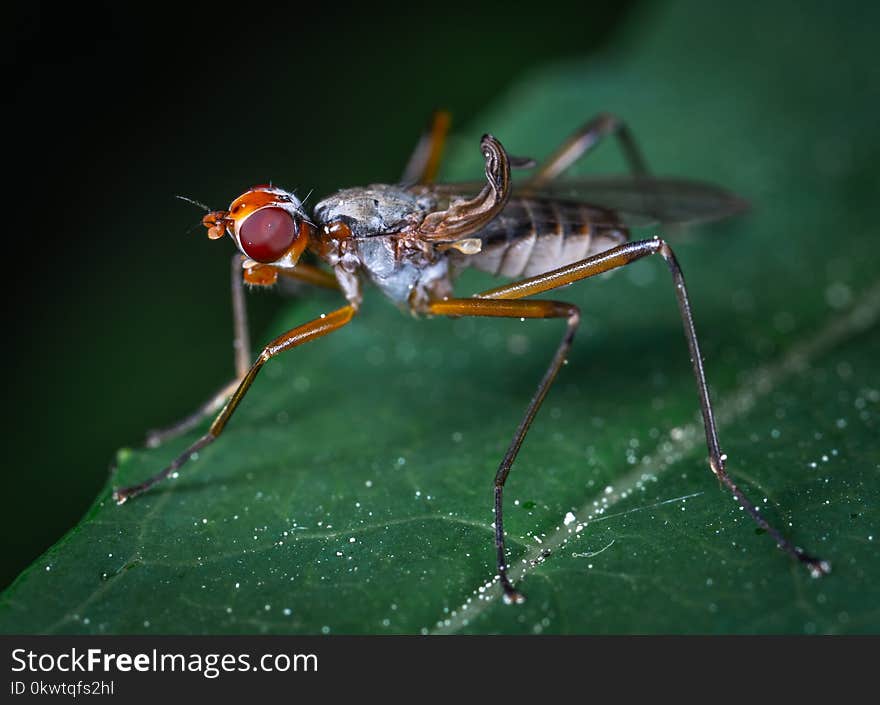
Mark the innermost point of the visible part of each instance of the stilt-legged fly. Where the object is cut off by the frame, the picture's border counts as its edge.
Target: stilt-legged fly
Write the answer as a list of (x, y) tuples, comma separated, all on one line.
[(411, 240)]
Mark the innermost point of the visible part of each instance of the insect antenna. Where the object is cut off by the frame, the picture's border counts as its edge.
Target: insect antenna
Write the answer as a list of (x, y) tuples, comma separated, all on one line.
[(199, 204), (195, 203)]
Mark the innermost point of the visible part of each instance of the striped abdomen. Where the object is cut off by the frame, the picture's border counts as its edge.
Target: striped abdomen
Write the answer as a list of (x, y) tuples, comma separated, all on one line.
[(535, 235)]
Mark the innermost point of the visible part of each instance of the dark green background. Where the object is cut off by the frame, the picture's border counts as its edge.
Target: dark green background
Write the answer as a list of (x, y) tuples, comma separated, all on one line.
[(120, 318)]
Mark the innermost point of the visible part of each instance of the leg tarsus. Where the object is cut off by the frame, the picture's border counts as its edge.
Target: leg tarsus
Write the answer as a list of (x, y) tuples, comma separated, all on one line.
[(121, 495), (512, 596), (817, 566)]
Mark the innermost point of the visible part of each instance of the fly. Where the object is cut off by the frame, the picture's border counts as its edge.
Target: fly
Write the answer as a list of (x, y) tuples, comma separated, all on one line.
[(412, 239)]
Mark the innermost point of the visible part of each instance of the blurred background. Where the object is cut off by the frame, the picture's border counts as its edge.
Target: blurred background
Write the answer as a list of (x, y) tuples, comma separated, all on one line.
[(118, 313)]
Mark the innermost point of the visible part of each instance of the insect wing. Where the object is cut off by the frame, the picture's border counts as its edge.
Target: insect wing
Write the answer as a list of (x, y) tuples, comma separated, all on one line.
[(645, 201)]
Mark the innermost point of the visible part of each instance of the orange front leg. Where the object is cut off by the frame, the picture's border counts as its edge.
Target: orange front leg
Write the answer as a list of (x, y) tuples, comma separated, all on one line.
[(259, 275), (293, 338)]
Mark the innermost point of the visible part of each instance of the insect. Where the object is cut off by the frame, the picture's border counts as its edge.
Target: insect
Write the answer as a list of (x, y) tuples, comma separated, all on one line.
[(411, 240)]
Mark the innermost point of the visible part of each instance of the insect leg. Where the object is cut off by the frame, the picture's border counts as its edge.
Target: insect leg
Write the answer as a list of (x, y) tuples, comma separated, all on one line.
[(424, 162), (515, 309), (308, 274), (582, 141), (623, 255), (297, 336), (241, 344)]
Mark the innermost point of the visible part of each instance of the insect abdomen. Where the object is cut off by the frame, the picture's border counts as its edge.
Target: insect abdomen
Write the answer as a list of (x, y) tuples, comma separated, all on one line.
[(532, 236)]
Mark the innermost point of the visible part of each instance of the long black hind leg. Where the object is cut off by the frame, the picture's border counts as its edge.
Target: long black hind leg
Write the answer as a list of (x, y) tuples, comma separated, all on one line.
[(500, 308), (619, 257), (501, 302)]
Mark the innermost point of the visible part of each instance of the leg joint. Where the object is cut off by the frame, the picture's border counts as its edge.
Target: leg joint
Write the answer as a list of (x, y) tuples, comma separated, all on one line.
[(570, 312), (664, 249), (607, 122)]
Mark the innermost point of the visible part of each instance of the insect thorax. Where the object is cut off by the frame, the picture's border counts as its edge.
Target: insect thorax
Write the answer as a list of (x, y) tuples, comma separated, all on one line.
[(383, 246)]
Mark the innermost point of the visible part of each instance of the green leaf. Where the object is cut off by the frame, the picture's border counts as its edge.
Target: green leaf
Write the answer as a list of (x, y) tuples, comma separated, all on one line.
[(352, 491)]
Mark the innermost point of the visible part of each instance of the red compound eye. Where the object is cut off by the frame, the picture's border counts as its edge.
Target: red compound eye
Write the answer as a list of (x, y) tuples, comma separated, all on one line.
[(267, 234)]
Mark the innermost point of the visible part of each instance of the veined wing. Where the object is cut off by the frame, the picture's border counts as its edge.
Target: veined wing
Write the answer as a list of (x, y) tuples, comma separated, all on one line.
[(645, 201), (635, 201)]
